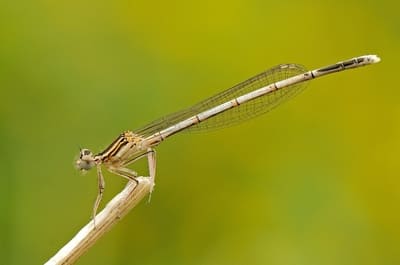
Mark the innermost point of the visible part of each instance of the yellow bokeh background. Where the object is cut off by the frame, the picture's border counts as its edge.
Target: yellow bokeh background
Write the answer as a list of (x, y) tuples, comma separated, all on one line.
[(315, 181)]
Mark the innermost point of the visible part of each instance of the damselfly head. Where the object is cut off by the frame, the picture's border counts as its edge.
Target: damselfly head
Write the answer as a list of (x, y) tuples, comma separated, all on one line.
[(85, 160)]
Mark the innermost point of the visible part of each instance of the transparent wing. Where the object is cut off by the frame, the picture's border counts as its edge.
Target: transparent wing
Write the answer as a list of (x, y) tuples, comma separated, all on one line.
[(240, 113)]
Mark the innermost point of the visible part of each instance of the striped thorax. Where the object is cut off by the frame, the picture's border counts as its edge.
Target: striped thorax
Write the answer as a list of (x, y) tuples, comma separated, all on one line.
[(127, 145)]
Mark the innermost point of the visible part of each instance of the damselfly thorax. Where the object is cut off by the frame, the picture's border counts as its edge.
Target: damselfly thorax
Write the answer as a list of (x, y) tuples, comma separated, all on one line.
[(125, 147)]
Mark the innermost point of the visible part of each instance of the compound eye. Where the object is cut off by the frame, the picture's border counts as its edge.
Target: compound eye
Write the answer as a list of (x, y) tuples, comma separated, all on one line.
[(86, 152)]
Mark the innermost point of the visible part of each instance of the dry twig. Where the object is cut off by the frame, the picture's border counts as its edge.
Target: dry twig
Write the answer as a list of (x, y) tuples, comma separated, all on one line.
[(118, 207)]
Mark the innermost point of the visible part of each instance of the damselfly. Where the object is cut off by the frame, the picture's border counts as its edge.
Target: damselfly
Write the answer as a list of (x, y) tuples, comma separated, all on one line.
[(248, 99)]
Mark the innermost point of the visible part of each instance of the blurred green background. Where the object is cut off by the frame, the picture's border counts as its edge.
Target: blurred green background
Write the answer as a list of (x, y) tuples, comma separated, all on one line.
[(315, 181)]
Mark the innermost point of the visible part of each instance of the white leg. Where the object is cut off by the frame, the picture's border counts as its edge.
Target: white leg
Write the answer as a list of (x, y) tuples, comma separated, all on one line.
[(125, 173), (131, 175), (151, 159), (101, 185)]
